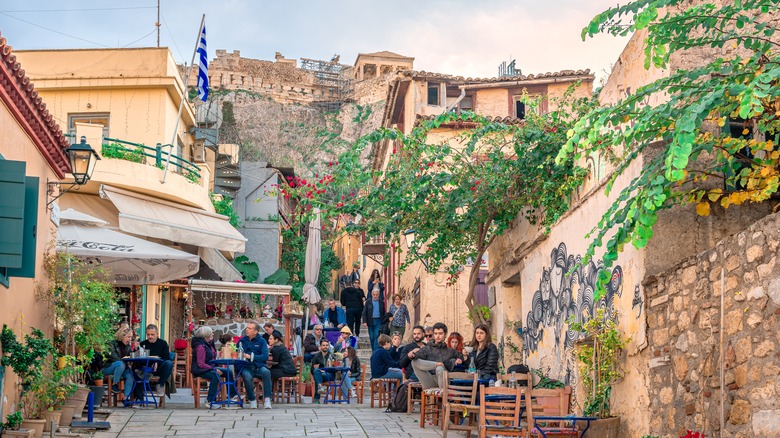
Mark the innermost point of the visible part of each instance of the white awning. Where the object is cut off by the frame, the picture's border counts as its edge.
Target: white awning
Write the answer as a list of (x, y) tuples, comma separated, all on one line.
[(146, 216), (239, 288), (219, 264), (131, 260)]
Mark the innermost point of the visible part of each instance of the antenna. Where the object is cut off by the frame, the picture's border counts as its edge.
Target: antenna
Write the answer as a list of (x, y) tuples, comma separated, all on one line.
[(157, 24)]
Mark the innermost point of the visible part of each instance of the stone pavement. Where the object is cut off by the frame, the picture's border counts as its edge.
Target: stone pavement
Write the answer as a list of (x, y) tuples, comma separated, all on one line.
[(282, 421)]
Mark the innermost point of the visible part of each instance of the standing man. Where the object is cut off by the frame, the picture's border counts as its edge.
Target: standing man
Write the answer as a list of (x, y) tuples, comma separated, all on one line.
[(435, 356), (418, 338), (268, 328), (352, 299), (256, 351), (334, 315), (158, 347), (373, 311), (355, 275)]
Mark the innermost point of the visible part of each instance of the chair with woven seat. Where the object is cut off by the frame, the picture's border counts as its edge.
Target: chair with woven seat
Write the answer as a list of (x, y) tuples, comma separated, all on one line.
[(502, 416), (459, 401), (360, 385), (414, 391), (430, 406), (383, 390), (289, 387)]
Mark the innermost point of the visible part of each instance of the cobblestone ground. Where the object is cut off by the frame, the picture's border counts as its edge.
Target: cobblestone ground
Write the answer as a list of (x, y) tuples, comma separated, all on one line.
[(282, 421)]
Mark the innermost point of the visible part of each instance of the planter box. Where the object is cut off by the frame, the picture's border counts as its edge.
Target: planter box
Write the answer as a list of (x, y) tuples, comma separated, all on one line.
[(603, 428), (25, 433), (50, 416), (99, 392), (67, 415), (35, 425)]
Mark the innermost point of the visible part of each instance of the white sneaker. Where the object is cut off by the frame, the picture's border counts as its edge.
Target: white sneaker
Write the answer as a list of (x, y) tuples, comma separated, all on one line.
[(267, 403), (253, 404), (353, 393)]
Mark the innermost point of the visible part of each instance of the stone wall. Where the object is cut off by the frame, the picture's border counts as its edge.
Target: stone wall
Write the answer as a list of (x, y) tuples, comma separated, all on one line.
[(684, 326)]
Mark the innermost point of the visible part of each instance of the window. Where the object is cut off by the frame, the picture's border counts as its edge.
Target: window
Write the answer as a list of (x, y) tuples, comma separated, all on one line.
[(522, 109), (93, 118), (519, 109), (433, 93), (467, 104)]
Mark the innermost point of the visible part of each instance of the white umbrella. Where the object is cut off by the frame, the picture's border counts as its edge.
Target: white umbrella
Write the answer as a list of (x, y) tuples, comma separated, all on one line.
[(130, 259), (312, 269)]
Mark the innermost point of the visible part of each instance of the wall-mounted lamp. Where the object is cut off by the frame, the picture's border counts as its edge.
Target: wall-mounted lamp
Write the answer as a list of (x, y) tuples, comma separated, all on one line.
[(409, 236), (82, 163)]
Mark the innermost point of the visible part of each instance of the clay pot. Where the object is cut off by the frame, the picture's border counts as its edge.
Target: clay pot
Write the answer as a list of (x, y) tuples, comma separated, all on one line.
[(35, 425), (78, 400), (25, 433), (50, 416), (99, 382), (67, 415), (603, 428)]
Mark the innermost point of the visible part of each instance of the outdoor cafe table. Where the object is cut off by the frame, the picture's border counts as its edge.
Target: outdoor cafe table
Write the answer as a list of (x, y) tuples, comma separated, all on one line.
[(572, 418), (146, 365), (336, 385), (238, 366)]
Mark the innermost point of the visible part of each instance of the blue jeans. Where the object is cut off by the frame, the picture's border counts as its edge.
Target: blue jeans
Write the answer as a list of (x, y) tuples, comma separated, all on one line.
[(118, 370), (391, 374), (249, 373), (323, 376), (214, 379), (373, 333), (164, 371)]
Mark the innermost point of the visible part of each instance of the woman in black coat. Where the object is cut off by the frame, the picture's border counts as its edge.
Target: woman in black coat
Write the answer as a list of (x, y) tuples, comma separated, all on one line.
[(283, 366), (485, 353)]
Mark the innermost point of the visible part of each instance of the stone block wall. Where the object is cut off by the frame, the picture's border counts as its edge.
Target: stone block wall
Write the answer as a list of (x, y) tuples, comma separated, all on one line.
[(684, 325)]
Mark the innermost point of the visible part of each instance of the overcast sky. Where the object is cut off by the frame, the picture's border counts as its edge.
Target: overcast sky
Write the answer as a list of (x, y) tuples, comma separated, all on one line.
[(462, 37)]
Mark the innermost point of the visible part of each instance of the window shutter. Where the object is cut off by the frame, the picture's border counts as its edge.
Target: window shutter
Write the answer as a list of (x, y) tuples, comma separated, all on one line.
[(12, 188), (30, 235)]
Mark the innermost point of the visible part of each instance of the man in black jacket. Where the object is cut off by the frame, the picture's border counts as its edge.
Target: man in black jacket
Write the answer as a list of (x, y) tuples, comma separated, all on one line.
[(435, 356), (158, 347), (311, 343), (373, 315), (418, 336), (352, 299)]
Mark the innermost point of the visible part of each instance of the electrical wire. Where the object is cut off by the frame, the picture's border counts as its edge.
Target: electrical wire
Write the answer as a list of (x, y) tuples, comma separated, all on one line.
[(168, 29), (52, 30), (78, 10)]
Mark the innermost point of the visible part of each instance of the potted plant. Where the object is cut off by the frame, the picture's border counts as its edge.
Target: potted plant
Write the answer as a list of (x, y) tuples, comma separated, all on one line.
[(599, 355), (307, 389), (97, 378), (51, 393), (27, 359), (13, 424)]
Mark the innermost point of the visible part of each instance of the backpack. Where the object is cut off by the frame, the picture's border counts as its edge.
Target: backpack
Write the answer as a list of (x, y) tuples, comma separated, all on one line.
[(398, 403)]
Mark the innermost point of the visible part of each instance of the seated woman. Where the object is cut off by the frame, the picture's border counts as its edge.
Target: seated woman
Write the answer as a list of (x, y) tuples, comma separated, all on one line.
[(395, 348), (382, 364), (203, 352), (345, 340), (279, 354), (485, 353), (352, 361), (114, 367), (455, 342)]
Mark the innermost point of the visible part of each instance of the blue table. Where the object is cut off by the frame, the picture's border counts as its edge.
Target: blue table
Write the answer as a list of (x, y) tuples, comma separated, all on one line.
[(146, 365), (336, 384), (464, 382), (238, 366), (572, 418)]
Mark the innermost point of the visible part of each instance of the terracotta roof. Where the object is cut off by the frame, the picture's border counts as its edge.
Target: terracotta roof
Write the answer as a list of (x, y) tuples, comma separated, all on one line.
[(19, 95), (386, 54), (468, 80), (504, 120)]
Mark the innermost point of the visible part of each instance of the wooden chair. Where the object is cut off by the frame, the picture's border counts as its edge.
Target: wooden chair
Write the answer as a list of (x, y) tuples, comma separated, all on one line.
[(550, 403), (114, 397), (459, 401), (200, 388), (383, 390), (502, 417), (289, 387), (180, 369), (430, 406), (360, 385), (414, 395)]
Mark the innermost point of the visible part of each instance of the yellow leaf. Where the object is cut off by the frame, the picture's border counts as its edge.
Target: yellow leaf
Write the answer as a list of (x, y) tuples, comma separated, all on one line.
[(769, 145), (725, 202), (722, 122), (703, 208), (745, 131), (765, 171)]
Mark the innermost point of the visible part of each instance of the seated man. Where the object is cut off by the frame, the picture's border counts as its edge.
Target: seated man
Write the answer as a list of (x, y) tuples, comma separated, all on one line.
[(383, 366), (256, 351), (158, 347), (435, 356), (268, 328), (320, 361), (418, 337), (311, 343), (334, 315)]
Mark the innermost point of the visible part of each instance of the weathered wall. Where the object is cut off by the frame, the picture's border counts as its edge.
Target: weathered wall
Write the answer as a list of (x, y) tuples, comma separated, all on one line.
[(684, 329), (492, 102)]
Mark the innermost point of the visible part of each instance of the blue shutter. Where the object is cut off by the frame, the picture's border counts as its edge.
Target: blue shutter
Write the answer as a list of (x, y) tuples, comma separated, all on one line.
[(12, 188), (30, 238)]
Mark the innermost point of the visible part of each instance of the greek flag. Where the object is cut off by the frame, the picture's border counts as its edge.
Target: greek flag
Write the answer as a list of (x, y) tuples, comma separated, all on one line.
[(203, 67)]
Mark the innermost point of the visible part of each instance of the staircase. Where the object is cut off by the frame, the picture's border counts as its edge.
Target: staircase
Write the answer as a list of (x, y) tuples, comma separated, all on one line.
[(364, 354)]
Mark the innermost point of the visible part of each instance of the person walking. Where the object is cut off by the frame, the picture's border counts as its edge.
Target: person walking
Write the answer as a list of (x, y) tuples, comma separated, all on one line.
[(352, 299), (373, 311), (374, 280), (400, 316)]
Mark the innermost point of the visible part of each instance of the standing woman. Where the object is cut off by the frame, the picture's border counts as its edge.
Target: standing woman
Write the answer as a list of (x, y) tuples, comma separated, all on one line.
[(485, 353), (400, 316), (376, 280)]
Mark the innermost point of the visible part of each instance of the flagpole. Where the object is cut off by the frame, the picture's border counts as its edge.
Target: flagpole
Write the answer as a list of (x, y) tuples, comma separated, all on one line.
[(184, 97)]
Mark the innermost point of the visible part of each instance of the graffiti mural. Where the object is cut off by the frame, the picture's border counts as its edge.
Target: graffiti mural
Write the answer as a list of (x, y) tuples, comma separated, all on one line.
[(566, 292)]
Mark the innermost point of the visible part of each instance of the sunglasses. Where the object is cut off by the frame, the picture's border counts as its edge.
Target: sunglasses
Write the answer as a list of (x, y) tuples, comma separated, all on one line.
[(428, 336)]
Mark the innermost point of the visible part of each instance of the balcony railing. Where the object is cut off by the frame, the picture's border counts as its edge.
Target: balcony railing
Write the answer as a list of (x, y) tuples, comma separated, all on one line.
[(139, 153)]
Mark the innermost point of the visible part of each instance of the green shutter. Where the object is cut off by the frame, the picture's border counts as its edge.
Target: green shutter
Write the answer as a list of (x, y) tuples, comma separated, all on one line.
[(30, 230), (12, 188)]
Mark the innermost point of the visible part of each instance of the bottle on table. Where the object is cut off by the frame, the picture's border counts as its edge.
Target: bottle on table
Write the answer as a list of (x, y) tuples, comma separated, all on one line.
[(241, 351), (513, 381), (472, 366)]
